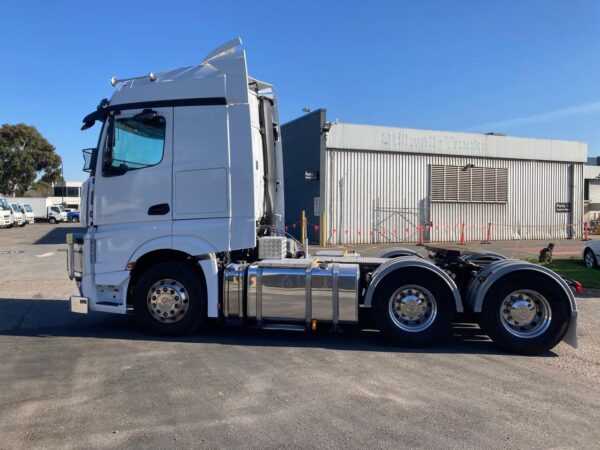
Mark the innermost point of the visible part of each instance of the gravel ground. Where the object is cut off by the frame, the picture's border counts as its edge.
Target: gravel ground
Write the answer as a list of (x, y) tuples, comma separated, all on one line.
[(74, 381)]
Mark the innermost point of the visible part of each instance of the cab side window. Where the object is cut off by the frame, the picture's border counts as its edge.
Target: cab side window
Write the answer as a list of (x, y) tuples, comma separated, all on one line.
[(137, 143)]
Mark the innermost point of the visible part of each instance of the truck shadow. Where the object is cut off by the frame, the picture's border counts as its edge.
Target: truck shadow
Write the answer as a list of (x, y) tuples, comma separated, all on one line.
[(58, 234), (52, 318)]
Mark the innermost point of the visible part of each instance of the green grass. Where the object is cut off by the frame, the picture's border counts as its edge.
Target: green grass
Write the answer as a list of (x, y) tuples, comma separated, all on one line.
[(575, 269)]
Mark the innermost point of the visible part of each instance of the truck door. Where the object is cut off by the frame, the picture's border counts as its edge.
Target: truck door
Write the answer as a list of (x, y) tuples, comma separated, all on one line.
[(132, 192), (201, 185), (133, 177)]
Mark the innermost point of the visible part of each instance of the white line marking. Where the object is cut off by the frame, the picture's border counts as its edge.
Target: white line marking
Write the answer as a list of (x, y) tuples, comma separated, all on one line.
[(43, 255)]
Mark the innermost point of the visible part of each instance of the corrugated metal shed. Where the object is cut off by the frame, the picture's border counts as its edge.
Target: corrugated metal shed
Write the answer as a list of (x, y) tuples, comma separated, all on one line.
[(384, 197), (376, 184)]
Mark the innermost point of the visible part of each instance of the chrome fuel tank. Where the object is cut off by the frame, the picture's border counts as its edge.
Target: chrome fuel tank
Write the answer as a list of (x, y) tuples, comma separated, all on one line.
[(299, 290)]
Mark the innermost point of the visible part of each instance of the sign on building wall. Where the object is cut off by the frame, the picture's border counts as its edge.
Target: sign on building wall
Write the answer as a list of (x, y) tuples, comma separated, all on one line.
[(562, 207), (312, 175)]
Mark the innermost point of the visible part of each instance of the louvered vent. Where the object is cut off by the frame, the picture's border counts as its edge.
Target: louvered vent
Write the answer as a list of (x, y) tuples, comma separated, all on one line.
[(469, 185)]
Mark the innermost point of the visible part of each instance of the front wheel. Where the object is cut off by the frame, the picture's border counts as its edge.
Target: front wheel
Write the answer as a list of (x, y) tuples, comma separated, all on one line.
[(75, 219), (52, 220), (525, 313), (590, 259), (169, 299), (413, 308)]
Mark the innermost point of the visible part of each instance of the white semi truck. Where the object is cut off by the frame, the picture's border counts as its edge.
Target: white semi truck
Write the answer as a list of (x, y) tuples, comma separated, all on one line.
[(183, 210)]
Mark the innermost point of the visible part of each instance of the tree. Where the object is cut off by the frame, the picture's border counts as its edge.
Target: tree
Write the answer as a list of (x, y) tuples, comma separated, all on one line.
[(25, 155)]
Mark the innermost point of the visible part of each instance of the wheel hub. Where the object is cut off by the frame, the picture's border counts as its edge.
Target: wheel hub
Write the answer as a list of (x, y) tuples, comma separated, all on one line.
[(412, 308), (525, 314), (522, 311), (168, 300)]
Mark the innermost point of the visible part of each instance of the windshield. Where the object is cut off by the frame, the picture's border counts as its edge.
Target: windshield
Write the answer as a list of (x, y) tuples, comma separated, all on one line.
[(4, 204), (15, 207), (27, 208), (60, 208), (21, 208)]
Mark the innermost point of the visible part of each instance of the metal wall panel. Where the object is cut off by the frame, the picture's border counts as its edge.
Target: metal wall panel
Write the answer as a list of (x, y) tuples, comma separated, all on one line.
[(383, 196), (449, 143)]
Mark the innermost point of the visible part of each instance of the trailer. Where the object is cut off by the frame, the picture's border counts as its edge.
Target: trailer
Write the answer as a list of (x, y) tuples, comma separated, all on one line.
[(183, 210)]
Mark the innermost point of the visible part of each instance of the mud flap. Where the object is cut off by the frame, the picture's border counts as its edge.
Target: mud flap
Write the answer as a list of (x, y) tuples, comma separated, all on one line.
[(571, 335)]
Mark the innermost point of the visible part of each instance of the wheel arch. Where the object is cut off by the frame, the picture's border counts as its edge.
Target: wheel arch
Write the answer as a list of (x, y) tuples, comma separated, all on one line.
[(204, 265), (403, 263), (497, 271)]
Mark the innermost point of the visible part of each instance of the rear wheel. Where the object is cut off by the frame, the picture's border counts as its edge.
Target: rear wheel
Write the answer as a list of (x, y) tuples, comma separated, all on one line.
[(413, 308), (75, 219), (525, 313), (169, 299), (590, 259)]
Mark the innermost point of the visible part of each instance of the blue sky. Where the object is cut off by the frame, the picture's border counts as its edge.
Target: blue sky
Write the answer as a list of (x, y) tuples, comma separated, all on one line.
[(527, 68)]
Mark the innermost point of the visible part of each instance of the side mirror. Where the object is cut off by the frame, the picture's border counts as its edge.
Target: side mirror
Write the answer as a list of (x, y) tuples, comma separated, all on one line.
[(88, 159)]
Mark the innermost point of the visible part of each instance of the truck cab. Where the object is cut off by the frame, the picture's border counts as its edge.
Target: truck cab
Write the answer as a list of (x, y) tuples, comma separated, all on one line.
[(17, 215), (183, 211), (27, 210), (6, 219), (56, 214)]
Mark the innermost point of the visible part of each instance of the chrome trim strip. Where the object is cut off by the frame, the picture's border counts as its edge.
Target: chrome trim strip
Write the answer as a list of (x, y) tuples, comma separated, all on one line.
[(308, 295), (259, 273), (335, 294)]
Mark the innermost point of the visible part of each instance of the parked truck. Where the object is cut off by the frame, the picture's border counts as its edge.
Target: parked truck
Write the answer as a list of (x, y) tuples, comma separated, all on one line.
[(27, 210), (6, 219), (183, 210), (43, 209), (18, 218)]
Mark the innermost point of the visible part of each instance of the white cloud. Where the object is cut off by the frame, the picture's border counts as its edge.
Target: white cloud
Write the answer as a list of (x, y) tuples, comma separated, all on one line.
[(586, 108)]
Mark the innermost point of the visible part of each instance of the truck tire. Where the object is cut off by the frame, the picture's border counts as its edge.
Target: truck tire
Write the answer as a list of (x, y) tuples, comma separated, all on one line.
[(52, 220), (413, 308), (525, 313), (169, 299), (75, 219)]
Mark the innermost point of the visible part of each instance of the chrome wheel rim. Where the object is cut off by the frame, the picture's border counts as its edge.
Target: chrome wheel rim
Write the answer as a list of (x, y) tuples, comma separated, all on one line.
[(168, 301), (412, 308), (525, 314), (589, 259)]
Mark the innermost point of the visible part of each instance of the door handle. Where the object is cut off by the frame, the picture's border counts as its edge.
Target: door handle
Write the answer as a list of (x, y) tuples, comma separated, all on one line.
[(159, 210)]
